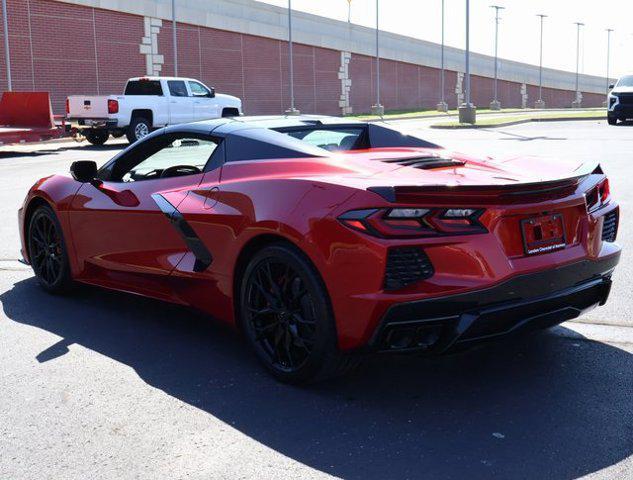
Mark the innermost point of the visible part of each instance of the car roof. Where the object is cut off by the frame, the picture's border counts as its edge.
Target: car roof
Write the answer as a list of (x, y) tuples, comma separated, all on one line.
[(227, 125)]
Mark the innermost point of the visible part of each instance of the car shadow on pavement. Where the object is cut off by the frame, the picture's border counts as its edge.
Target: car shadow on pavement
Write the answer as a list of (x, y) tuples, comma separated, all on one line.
[(546, 406)]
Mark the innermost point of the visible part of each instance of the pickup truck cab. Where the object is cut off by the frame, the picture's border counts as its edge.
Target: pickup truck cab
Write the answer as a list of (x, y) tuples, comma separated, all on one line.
[(147, 103)]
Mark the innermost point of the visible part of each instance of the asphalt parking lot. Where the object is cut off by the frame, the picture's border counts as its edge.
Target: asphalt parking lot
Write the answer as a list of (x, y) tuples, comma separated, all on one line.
[(106, 385)]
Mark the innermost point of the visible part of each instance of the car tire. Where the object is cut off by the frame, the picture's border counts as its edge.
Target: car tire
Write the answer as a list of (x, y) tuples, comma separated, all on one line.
[(139, 128), (96, 137), (285, 314), (612, 120), (117, 133), (47, 251)]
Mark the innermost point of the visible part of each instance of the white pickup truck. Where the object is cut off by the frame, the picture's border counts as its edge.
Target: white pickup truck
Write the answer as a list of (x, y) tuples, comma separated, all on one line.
[(146, 104)]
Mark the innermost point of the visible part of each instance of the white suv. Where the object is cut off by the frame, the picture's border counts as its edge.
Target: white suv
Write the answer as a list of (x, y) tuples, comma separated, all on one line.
[(620, 101)]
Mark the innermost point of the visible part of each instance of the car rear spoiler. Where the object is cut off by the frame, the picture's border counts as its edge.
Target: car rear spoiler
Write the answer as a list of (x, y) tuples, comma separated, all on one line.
[(497, 193)]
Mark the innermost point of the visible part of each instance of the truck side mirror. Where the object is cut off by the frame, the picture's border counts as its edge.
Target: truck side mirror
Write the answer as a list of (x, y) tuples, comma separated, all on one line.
[(212, 89), (611, 86), (84, 171)]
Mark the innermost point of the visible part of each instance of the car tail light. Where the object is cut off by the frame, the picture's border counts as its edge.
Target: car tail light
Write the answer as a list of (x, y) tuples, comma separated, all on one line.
[(113, 106), (414, 222), (598, 196), (67, 106)]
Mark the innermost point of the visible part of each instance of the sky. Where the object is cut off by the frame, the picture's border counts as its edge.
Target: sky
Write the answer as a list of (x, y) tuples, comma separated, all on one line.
[(519, 27)]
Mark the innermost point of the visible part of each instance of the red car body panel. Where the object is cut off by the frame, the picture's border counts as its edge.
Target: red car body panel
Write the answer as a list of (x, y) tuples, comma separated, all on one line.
[(119, 238)]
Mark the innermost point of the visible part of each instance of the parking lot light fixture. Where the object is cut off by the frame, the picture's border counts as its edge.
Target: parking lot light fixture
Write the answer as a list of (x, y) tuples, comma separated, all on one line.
[(292, 110), (540, 103), (609, 30), (174, 36), (577, 103), (6, 44), (495, 104), (467, 111), (442, 106), (377, 109)]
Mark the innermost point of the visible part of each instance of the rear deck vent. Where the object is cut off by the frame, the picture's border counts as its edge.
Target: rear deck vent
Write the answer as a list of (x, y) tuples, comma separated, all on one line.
[(610, 226), (425, 162), (406, 265)]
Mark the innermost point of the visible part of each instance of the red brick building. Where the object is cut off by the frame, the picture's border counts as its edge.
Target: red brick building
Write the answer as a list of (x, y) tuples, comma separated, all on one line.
[(86, 46)]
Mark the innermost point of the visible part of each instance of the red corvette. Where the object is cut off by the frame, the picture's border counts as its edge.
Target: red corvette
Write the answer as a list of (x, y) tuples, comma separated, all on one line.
[(322, 239)]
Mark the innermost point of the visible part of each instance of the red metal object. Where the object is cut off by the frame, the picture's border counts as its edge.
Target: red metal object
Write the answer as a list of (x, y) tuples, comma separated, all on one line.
[(28, 117), (119, 238)]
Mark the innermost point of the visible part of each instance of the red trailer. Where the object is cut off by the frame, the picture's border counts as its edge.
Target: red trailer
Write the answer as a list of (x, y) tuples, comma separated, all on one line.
[(28, 117)]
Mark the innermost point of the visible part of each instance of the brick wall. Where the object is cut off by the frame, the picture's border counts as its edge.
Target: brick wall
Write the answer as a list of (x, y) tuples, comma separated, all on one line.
[(68, 49)]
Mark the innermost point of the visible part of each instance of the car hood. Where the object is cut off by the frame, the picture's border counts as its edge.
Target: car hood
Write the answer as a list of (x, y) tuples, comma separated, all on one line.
[(622, 90), (228, 98)]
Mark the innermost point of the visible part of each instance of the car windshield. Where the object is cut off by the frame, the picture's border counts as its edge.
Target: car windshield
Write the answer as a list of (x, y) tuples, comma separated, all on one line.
[(626, 81)]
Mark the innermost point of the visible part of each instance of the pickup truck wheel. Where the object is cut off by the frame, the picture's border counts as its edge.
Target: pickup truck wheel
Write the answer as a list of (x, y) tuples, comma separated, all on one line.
[(96, 137), (117, 133), (139, 128)]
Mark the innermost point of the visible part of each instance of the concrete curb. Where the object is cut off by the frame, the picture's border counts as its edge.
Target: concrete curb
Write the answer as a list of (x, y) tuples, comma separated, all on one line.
[(444, 115), (517, 122)]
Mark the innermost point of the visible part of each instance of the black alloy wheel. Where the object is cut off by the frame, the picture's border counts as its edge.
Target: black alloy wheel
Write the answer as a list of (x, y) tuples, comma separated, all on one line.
[(47, 251), (285, 314)]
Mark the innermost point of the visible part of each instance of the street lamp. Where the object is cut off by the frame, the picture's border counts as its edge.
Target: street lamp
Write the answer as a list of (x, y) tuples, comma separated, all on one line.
[(292, 110), (577, 103), (7, 53), (495, 104), (609, 30), (540, 103), (467, 111), (349, 11), (442, 106), (174, 39), (377, 109)]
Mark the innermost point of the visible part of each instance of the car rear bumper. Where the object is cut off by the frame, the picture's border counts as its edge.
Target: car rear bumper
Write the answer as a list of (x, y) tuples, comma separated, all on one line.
[(91, 122), (529, 301)]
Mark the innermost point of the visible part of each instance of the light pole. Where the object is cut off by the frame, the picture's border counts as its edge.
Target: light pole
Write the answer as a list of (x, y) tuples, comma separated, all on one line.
[(377, 109), (540, 103), (349, 11), (467, 111), (609, 30), (7, 52), (292, 110), (442, 106), (175, 38), (577, 103), (495, 104)]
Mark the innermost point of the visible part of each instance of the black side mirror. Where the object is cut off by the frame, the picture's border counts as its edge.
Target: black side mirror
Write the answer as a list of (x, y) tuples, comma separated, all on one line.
[(611, 86), (212, 92), (84, 171)]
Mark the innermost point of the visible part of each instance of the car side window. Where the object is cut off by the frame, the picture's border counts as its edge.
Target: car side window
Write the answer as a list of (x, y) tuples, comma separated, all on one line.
[(199, 90), (165, 156), (177, 88)]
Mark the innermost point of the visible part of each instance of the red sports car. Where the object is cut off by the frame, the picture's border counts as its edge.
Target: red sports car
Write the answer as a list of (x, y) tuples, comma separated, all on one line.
[(323, 239)]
